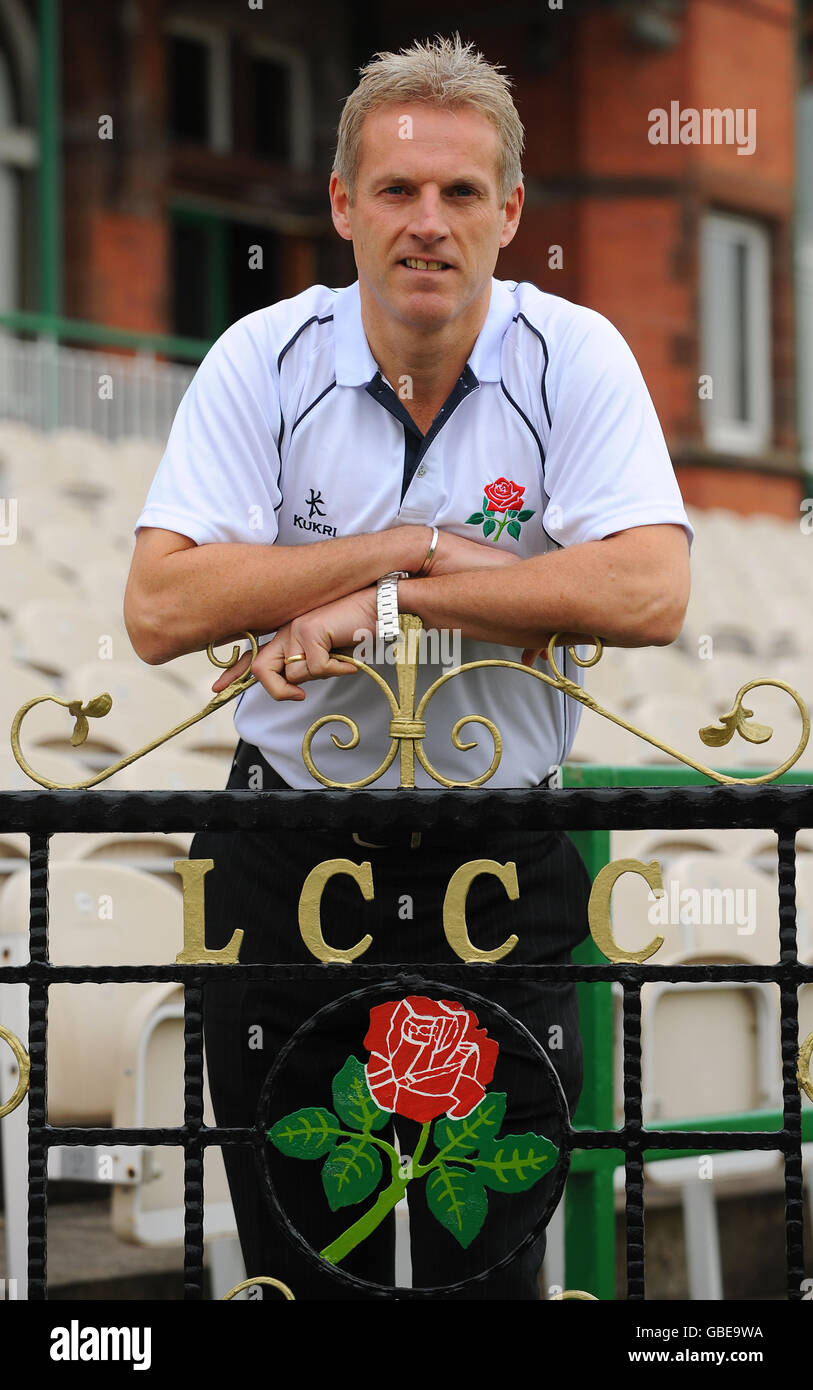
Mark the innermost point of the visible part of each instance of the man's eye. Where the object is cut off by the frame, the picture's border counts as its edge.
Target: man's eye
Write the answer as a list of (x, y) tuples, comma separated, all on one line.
[(464, 189), (395, 188)]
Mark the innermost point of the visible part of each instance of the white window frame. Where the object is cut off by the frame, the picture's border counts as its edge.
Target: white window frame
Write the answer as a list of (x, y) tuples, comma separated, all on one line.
[(723, 430), (220, 93), (301, 112)]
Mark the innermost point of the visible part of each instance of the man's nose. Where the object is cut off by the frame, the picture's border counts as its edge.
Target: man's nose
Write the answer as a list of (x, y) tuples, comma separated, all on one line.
[(428, 219)]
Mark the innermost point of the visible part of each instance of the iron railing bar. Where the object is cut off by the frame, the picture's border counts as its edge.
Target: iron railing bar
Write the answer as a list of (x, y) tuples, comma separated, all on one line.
[(38, 1078), (462, 974), (193, 1149), (696, 1139), (792, 1100), (583, 808), (633, 1142)]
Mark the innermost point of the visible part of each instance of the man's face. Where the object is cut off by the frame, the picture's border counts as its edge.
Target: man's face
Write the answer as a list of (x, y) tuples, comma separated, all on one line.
[(426, 222)]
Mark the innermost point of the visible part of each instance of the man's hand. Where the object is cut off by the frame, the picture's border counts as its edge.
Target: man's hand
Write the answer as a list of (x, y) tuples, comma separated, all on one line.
[(310, 639)]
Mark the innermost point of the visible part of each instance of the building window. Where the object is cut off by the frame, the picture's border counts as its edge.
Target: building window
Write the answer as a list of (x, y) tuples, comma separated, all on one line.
[(736, 333), (189, 90), (193, 270), (281, 104), (271, 109), (200, 85), (221, 270)]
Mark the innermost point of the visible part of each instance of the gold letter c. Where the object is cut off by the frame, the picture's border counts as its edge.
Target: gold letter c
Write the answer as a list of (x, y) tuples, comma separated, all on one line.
[(310, 902), (454, 908), (598, 908)]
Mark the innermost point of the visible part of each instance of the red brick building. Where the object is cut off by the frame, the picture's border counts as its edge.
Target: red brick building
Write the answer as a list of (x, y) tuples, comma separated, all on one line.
[(197, 139)]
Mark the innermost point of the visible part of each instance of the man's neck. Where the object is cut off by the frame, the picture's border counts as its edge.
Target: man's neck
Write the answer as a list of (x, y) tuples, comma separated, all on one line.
[(422, 365)]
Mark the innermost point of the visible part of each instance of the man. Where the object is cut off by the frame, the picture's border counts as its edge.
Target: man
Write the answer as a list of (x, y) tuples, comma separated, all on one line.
[(427, 395)]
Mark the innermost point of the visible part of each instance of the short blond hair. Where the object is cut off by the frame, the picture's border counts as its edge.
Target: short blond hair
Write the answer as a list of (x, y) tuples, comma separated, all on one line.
[(444, 73)]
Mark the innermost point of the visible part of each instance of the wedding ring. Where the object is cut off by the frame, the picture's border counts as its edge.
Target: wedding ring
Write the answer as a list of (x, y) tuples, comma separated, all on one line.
[(286, 660)]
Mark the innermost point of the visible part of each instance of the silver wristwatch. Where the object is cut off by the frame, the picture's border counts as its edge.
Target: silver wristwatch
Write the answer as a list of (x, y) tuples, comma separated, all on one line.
[(387, 604)]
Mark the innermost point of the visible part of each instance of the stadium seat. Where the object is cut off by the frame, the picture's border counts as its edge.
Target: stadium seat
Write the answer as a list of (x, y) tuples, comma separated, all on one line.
[(115, 1052), (56, 636)]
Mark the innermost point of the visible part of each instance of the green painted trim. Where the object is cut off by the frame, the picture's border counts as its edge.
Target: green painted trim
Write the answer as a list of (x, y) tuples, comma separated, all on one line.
[(218, 272), (590, 1232), (654, 775), (83, 331), (589, 1212), (214, 225), (589, 1196)]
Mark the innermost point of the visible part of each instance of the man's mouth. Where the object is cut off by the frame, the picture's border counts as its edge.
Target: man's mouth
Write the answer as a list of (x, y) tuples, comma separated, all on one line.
[(413, 263)]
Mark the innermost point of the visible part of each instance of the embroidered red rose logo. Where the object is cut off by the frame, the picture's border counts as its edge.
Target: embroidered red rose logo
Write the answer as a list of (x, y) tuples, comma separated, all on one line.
[(504, 494), (501, 496), (428, 1058), (431, 1063)]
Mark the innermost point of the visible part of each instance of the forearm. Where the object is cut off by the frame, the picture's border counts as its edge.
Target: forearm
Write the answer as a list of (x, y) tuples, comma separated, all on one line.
[(206, 593), (589, 589)]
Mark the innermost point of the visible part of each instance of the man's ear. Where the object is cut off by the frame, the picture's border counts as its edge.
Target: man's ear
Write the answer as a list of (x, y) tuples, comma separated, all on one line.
[(513, 209), (339, 203)]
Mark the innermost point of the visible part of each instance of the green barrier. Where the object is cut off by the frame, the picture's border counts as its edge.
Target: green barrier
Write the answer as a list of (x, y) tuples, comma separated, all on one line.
[(589, 1201)]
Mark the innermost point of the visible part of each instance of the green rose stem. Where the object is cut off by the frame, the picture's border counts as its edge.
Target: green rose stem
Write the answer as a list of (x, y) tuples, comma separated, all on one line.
[(387, 1199), (505, 520)]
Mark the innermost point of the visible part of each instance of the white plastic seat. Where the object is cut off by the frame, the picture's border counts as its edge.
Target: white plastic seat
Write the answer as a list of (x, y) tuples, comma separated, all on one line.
[(146, 703), (690, 1033), (171, 769), (99, 915), (669, 844), (27, 575), (150, 1095), (63, 768), (57, 636), (69, 547), (738, 907), (600, 741), (148, 851), (115, 1052), (46, 722)]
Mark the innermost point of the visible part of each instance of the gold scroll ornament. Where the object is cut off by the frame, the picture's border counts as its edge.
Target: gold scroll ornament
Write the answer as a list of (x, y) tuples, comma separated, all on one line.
[(407, 727), (803, 1071), (259, 1279), (23, 1071), (573, 1293), (407, 730)]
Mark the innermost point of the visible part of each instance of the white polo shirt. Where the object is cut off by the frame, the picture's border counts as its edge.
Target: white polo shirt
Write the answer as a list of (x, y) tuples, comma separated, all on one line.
[(288, 434)]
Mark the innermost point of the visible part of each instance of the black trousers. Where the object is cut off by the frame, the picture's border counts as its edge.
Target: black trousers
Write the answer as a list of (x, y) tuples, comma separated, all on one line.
[(255, 884)]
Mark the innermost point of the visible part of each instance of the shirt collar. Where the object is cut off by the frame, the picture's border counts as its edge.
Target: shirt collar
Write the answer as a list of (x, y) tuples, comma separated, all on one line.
[(355, 364)]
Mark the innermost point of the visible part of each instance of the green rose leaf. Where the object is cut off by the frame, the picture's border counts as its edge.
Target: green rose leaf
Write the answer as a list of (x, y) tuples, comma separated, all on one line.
[(475, 519), (515, 1162), (352, 1099), (458, 1137), (513, 529), (489, 526), (512, 511), (486, 503), (351, 1173), (458, 1200), (525, 516), (309, 1133)]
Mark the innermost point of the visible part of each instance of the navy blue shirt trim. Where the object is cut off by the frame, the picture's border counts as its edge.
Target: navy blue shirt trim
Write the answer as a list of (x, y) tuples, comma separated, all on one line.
[(415, 443)]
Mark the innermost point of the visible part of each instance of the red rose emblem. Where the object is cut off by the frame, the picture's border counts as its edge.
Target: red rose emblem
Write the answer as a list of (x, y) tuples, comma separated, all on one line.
[(428, 1058), (503, 494)]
